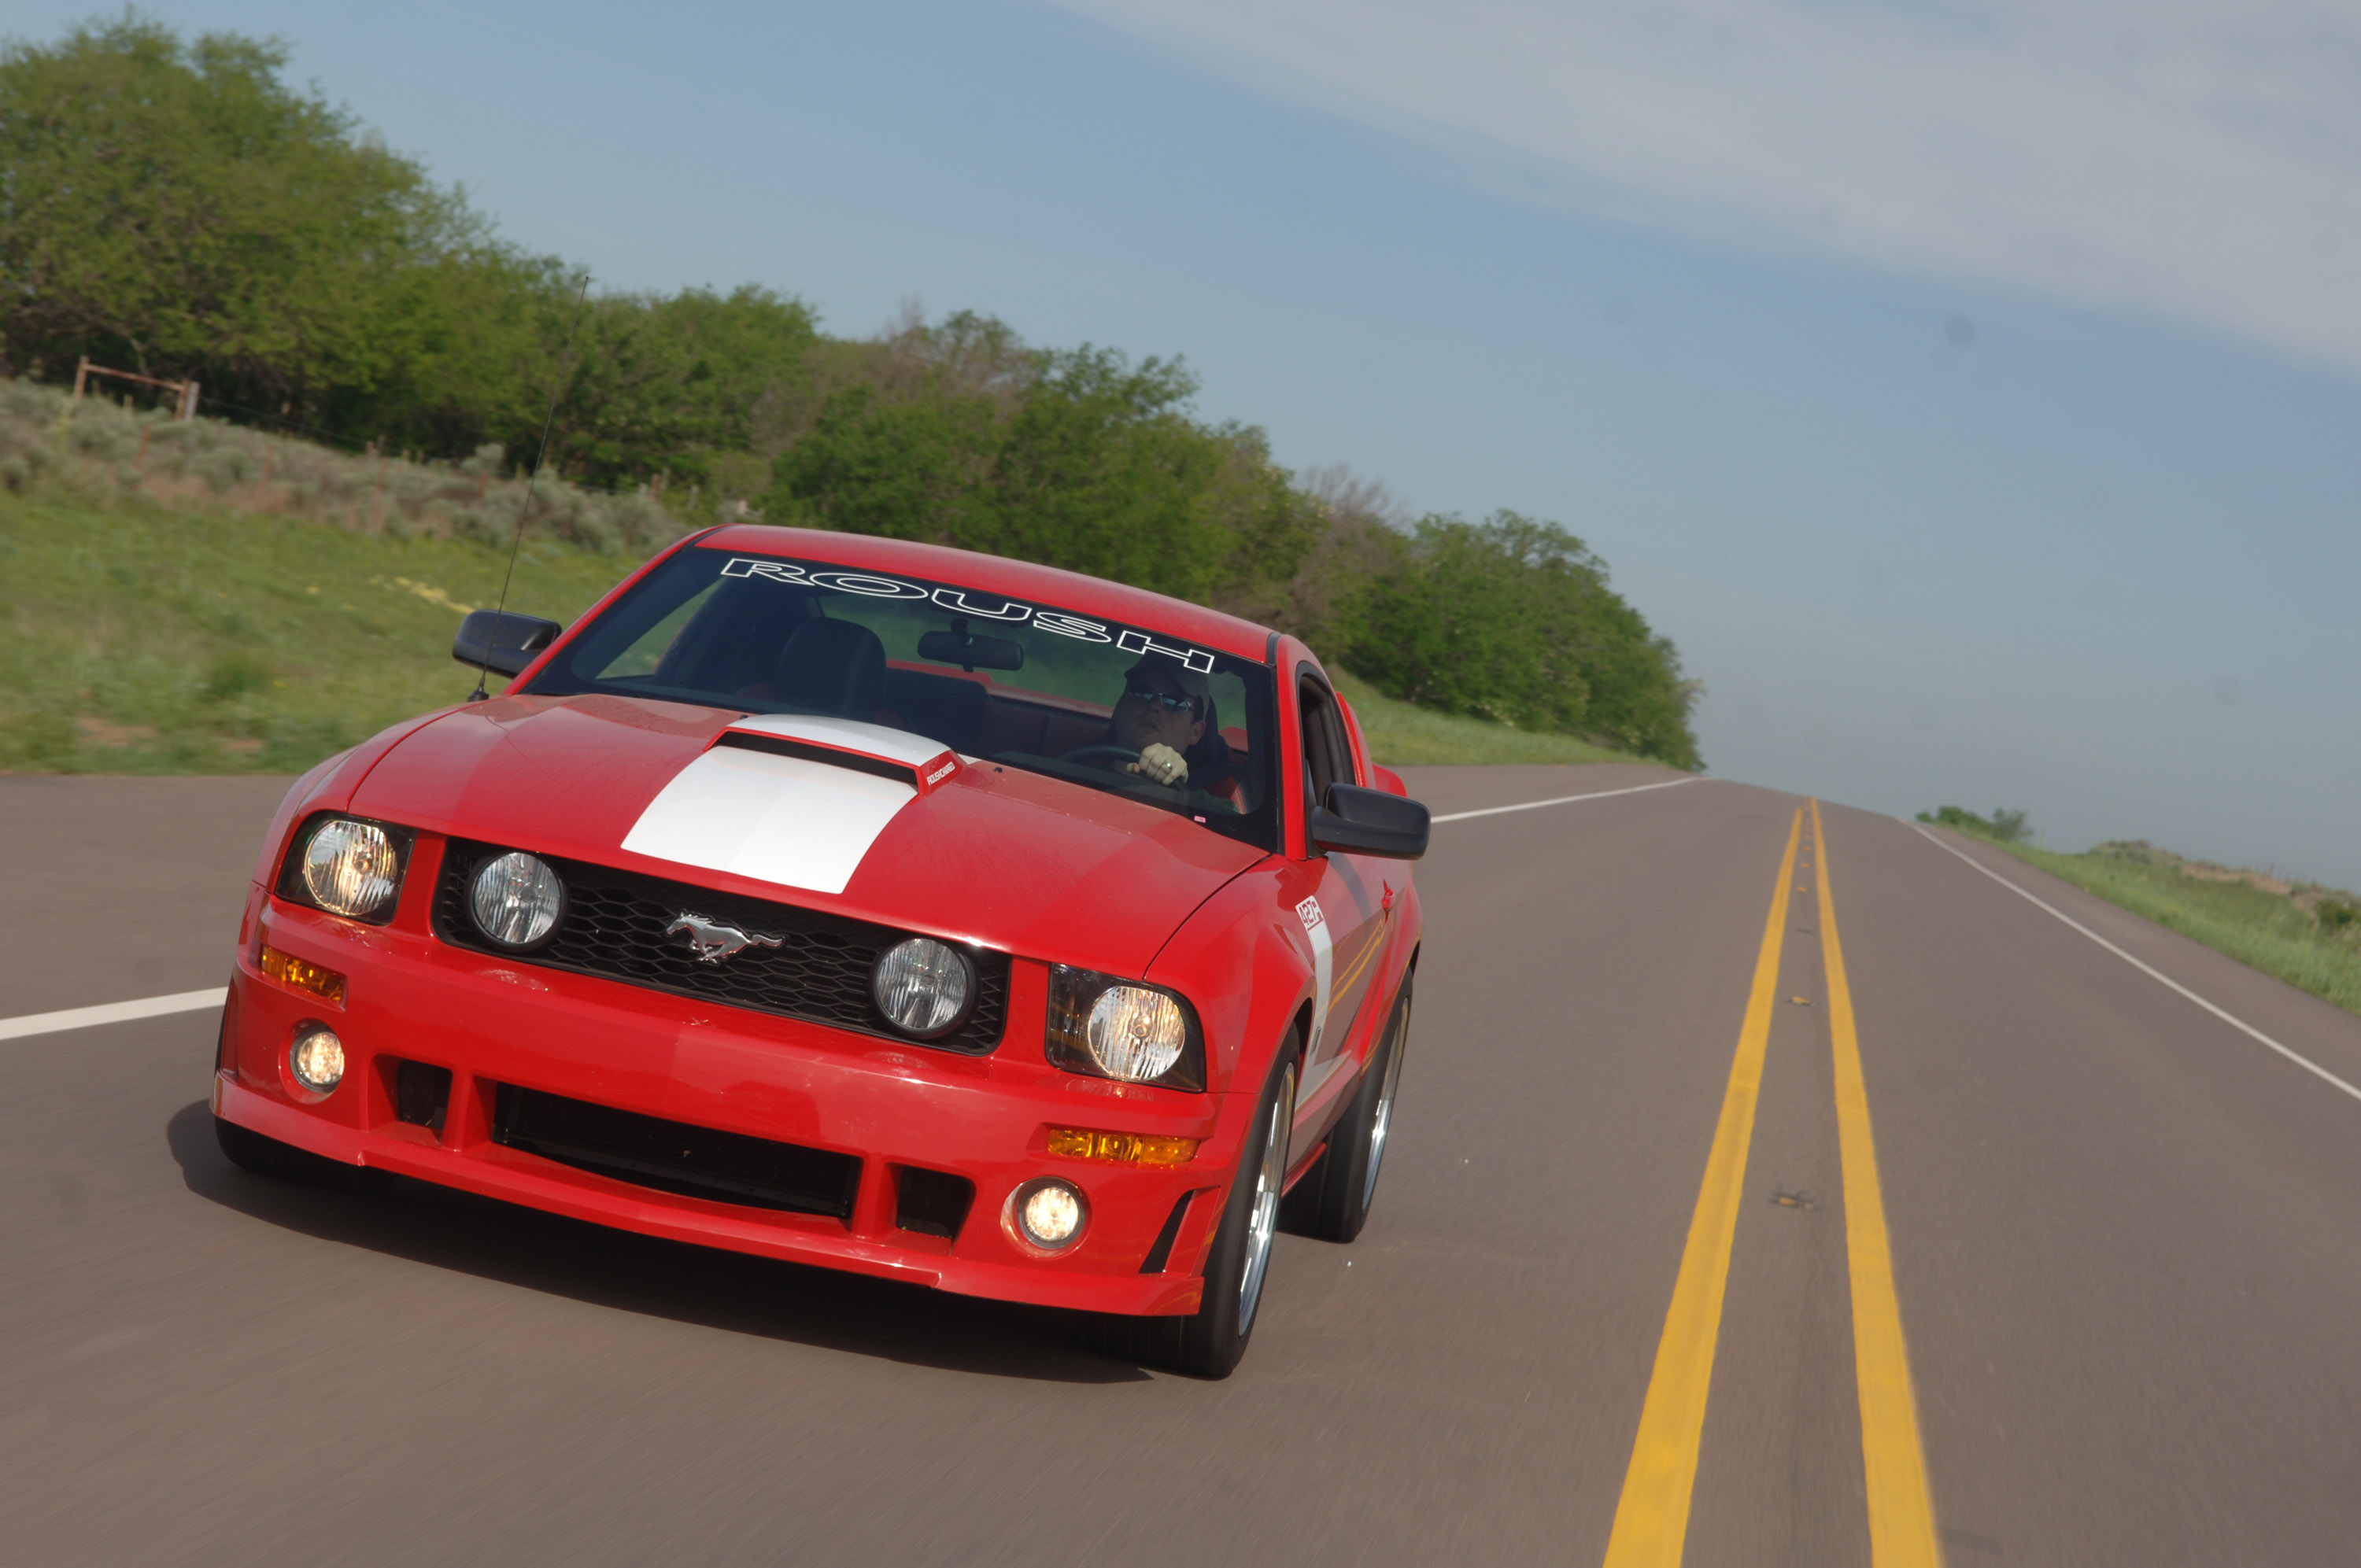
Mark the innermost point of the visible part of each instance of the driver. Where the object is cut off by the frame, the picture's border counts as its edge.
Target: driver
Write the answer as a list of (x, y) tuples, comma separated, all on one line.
[(1161, 714)]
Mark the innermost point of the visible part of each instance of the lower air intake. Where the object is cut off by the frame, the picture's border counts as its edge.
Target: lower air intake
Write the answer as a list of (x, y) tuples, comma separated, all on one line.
[(422, 1094), (932, 1203), (673, 1156)]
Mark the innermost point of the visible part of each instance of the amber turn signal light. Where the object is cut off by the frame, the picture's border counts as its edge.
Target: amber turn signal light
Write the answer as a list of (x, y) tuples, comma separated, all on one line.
[(1128, 1148), (295, 974)]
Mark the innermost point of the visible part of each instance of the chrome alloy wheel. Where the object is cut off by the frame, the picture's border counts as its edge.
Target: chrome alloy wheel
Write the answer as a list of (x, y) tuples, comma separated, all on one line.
[(1385, 1115), (1262, 1219)]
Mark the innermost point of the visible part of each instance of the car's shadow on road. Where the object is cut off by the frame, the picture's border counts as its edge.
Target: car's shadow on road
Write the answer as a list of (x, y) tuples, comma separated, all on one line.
[(445, 1228)]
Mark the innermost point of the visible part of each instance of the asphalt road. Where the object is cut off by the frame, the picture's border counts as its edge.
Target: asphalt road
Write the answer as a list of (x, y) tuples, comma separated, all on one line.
[(2124, 1239)]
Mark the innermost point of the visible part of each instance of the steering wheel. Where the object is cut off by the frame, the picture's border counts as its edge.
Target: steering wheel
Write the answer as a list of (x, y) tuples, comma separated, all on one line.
[(1102, 750)]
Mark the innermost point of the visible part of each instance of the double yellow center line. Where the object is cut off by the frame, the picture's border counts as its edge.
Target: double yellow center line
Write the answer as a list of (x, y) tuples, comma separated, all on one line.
[(1652, 1520)]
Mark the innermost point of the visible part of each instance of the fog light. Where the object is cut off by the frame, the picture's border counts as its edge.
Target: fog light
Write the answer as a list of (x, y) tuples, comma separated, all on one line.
[(923, 987), (1049, 1213), (516, 900), (317, 1058)]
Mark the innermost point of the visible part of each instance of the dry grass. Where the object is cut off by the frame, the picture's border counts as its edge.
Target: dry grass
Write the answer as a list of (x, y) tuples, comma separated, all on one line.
[(99, 455), (2305, 934)]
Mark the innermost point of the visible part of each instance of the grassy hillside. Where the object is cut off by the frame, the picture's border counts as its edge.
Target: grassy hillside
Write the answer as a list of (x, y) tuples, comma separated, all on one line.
[(181, 597), (134, 639), (2305, 934), (1400, 734)]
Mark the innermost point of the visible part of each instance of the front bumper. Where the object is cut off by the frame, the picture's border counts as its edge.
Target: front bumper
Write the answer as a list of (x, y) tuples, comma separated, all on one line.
[(891, 1105)]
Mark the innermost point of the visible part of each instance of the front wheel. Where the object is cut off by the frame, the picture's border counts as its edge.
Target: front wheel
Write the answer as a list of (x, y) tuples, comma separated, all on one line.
[(1209, 1342), (1348, 1178)]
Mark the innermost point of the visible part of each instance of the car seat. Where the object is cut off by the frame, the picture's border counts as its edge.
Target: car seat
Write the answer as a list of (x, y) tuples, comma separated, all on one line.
[(834, 667), (949, 708)]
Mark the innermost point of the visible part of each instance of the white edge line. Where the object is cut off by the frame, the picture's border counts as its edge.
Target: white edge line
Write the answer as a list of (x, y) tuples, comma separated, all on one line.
[(2236, 1023), (1562, 800), (111, 1012)]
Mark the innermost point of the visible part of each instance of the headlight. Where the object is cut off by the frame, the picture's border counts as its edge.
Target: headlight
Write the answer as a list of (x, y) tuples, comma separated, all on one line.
[(348, 867), (924, 987), (516, 900), (1115, 1028)]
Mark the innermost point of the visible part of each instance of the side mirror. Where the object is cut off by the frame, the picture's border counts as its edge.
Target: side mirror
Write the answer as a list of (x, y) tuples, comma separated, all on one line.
[(1370, 822), (502, 642)]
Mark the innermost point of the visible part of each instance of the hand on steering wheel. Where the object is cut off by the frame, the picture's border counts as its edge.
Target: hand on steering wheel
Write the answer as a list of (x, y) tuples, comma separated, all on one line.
[(1157, 764), (1161, 764), (1101, 752)]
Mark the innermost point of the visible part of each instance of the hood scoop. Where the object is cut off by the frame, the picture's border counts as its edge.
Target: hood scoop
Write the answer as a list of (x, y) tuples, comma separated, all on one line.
[(924, 765), (789, 798)]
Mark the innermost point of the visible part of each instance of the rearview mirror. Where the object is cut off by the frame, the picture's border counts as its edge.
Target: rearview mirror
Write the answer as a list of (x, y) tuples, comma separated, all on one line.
[(502, 641), (971, 653), (1371, 822)]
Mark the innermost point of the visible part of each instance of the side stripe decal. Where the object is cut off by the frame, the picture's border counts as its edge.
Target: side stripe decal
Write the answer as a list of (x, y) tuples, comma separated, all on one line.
[(1323, 971)]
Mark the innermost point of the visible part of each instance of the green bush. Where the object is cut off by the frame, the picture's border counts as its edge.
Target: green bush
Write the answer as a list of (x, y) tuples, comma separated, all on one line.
[(2004, 826)]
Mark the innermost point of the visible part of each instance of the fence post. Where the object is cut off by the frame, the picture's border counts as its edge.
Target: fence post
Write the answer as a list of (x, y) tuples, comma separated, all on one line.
[(82, 374), (187, 401)]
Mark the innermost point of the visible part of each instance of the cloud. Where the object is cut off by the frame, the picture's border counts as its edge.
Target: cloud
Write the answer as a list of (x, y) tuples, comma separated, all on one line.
[(2198, 160)]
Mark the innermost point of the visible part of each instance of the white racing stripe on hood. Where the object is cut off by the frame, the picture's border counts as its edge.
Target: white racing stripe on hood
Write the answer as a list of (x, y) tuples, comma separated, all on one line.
[(778, 819)]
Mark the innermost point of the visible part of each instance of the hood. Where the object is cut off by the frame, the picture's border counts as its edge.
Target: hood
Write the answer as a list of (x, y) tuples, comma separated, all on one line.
[(805, 811)]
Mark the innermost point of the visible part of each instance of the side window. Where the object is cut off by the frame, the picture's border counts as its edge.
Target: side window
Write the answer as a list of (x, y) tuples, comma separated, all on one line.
[(1327, 755)]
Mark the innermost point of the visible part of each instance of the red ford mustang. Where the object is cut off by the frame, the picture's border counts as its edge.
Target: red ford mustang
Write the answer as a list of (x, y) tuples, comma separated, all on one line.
[(862, 903)]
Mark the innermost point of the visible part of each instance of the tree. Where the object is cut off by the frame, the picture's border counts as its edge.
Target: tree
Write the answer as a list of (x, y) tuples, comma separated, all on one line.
[(174, 208), (1080, 458), (1511, 619), (665, 384)]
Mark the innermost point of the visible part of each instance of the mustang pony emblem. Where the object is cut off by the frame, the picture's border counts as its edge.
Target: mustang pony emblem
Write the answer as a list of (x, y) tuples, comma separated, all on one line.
[(712, 941)]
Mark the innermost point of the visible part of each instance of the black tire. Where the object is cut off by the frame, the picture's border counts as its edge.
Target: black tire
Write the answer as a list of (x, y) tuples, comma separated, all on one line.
[(1209, 1342), (249, 1150), (1338, 1205)]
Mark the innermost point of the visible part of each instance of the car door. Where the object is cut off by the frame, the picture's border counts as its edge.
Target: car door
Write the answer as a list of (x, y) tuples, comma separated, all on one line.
[(1345, 915)]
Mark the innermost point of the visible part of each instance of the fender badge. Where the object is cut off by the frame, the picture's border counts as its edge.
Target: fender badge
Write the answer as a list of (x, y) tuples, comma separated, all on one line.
[(713, 941)]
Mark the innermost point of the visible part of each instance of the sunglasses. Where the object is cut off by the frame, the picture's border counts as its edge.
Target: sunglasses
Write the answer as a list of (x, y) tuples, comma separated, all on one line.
[(1167, 700)]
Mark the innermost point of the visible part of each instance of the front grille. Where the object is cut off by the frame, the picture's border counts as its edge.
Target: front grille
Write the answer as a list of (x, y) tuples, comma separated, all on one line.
[(614, 925), (673, 1156)]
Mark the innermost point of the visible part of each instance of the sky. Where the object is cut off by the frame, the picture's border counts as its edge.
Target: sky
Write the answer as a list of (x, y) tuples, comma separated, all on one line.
[(1972, 391)]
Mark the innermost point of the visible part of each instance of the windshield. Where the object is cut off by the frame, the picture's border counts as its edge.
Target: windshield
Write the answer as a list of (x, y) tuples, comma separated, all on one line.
[(1126, 709)]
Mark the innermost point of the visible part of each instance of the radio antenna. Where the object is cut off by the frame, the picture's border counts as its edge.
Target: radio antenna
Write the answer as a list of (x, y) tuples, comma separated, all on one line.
[(566, 370)]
